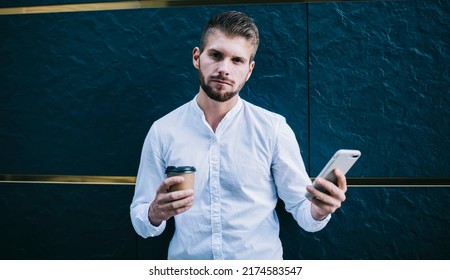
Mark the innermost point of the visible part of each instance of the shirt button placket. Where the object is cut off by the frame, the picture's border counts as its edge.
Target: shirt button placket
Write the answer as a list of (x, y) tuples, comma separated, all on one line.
[(216, 223)]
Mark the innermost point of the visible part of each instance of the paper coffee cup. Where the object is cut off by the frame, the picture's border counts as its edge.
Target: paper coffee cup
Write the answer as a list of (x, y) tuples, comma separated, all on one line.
[(188, 172)]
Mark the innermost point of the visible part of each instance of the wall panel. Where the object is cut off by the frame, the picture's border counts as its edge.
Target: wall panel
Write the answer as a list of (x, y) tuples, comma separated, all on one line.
[(85, 87), (403, 223), (53, 221), (81, 89), (381, 84)]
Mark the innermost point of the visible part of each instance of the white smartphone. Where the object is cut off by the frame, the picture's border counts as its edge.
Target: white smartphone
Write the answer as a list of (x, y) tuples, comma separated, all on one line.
[(342, 159)]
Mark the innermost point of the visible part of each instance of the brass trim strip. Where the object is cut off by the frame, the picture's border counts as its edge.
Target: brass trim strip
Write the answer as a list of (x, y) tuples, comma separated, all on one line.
[(398, 182), (143, 4), (131, 180), (88, 7), (67, 179)]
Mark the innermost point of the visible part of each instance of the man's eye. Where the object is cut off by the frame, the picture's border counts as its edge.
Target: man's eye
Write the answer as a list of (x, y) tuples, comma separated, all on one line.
[(238, 60), (216, 55)]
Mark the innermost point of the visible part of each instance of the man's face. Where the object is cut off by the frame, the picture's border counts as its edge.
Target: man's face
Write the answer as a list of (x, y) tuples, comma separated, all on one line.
[(224, 65)]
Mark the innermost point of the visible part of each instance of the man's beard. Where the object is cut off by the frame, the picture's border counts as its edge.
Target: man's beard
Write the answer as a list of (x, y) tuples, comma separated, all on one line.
[(215, 94)]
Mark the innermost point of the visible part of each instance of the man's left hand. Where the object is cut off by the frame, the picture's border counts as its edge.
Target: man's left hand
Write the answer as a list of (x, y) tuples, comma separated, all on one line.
[(324, 204)]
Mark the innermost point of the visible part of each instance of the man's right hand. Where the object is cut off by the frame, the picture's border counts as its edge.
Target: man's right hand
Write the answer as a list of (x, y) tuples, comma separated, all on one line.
[(168, 204)]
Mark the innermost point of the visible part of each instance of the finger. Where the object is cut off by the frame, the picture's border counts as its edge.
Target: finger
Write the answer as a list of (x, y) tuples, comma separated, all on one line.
[(324, 207), (181, 203), (333, 190), (177, 195), (319, 195), (336, 193), (182, 209), (341, 180), (325, 203), (314, 192), (168, 182), (325, 185), (169, 197), (332, 200), (176, 207), (164, 210)]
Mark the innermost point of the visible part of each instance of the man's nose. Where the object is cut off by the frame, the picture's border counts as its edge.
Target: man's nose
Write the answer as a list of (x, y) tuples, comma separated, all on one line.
[(224, 67)]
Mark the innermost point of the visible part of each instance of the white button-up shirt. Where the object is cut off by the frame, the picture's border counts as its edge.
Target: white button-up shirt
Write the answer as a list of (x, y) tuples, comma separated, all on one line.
[(252, 159)]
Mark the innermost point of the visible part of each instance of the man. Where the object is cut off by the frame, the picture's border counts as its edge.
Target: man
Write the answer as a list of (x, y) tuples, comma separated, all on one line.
[(246, 157)]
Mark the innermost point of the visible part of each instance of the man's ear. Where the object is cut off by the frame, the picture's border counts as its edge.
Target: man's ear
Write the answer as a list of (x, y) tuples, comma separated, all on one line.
[(196, 57), (252, 65)]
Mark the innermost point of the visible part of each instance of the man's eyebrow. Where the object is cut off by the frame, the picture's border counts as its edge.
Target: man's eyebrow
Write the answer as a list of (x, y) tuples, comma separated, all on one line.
[(214, 50)]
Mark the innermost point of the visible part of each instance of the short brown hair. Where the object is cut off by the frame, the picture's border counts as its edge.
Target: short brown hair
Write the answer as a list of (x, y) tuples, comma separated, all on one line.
[(234, 24)]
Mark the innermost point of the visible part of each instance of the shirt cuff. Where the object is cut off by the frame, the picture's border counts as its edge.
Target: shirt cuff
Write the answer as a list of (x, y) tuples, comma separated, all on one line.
[(142, 224), (311, 224), (154, 230)]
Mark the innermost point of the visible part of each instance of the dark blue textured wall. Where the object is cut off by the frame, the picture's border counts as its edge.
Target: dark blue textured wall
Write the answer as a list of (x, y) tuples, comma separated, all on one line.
[(78, 92), (108, 75), (66, 222), (380, 82)]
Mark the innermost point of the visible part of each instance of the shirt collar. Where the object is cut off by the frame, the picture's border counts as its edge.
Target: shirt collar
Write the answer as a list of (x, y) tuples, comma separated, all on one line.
[(231, 114), (235, 110)]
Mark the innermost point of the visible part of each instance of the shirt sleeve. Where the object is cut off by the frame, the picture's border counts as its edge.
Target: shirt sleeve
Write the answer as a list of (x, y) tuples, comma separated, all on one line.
[(291, 178), (150, 176)]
